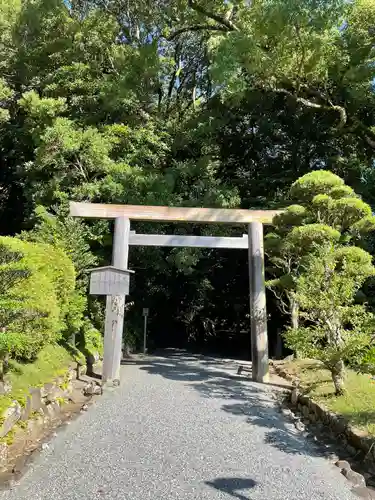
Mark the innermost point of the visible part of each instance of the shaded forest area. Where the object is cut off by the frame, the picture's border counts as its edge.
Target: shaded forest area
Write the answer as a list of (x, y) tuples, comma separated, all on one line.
[(179, 102)]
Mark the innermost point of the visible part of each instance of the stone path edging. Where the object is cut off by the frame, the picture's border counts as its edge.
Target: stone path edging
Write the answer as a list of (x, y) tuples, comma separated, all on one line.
[(313, 411), (46, 407)]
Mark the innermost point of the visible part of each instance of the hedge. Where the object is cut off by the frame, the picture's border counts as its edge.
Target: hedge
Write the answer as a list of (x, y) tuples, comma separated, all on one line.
[(37, 284)]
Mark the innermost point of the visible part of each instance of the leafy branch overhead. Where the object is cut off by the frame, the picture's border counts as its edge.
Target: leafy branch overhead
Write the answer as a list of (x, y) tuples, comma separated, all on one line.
[(224, 22), (307, 55)]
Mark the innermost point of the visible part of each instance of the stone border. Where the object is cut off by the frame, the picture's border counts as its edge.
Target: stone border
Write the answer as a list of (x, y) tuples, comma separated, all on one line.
[(316, 412), (46, 408)]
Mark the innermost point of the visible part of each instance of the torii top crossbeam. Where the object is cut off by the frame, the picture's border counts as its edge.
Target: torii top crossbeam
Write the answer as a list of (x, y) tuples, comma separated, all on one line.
[(177, 214)]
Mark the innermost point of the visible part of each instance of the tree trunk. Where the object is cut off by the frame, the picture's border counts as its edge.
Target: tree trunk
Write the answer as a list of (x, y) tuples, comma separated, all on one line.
[(338, 377), (294, 318), (294, 313)]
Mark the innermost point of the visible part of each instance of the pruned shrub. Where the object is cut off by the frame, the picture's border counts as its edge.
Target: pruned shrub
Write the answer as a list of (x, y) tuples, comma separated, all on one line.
[(34, 307)]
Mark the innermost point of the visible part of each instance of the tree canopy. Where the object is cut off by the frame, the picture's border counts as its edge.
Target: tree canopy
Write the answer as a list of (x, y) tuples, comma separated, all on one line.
[(183, 102)]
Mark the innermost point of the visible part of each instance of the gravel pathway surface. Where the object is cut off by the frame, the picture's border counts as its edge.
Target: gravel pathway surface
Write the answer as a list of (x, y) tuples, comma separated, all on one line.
[(181, 427)]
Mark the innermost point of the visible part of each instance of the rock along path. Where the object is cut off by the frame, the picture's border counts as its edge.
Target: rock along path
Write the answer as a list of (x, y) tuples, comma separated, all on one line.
[(180, 427)]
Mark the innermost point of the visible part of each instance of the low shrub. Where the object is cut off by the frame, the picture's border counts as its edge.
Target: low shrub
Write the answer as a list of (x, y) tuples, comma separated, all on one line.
[(34, 307)]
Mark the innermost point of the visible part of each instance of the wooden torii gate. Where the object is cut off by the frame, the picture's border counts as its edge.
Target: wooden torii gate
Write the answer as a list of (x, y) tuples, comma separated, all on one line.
[(123, 237)]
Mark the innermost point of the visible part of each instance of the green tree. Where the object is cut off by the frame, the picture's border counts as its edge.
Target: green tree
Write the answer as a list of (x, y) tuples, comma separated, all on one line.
[(329, 213), (176, 103), (337, 329)]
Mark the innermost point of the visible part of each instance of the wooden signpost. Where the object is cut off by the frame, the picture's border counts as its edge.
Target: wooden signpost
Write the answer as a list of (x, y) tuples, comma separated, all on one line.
[(114, 280), (109, 280)]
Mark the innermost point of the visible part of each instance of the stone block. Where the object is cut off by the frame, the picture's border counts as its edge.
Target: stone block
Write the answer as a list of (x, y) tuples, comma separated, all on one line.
[(354, 477), (48, 411), (56, 408), (3, 455), (46, 389), (44, 411), (305, 411), (312, 418), (94, 357), (52, 410), (358, 438), (327, 418), (313, 406), (11, 417), (343, 464), (294, 396), (34, 425), (338, 424), (54, 392), (36, 398), (304, 400), (5, 387), (27, 410), (92, 389), (82, 370)]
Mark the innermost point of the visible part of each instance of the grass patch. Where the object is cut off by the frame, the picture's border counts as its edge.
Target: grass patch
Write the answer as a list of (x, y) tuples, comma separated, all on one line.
[(51, 362), (357, 405)]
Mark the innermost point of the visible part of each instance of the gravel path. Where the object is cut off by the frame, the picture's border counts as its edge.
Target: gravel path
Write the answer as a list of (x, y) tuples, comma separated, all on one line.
[(180, 428)]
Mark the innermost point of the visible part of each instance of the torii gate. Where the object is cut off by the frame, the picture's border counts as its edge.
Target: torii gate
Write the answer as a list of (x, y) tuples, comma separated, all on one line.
[(123, 237)]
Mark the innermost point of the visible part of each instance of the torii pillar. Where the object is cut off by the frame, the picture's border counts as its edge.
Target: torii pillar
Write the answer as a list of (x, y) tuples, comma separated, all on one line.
[(258, 311)]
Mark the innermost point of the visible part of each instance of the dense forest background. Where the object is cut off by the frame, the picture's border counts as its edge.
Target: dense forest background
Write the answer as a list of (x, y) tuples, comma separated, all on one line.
[(180, 102)]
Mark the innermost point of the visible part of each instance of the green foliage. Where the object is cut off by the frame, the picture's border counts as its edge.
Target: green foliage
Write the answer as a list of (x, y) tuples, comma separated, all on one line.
[(292, 216), (65, 233), (330, 216), (338, 330), (5, 95), (52, 361), (93, 339), (320, 182), (303, 240), (70, 235), (74, 317), (90, 340), (132, 339), (34, 310), (183, 103)]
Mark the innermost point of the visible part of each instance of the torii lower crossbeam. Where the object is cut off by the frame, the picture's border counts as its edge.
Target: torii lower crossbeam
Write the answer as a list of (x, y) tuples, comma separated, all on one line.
[(163, 240)]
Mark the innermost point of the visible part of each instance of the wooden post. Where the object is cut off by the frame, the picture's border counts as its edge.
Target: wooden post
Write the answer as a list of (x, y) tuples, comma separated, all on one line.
[(258, 314), (114, 313), (145, 335)]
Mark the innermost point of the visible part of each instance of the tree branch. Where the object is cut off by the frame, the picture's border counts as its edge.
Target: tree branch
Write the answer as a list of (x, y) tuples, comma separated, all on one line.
[(367, 132), (281, 303), (302, 61), (211, 15), (314, 105), (197, 27)]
